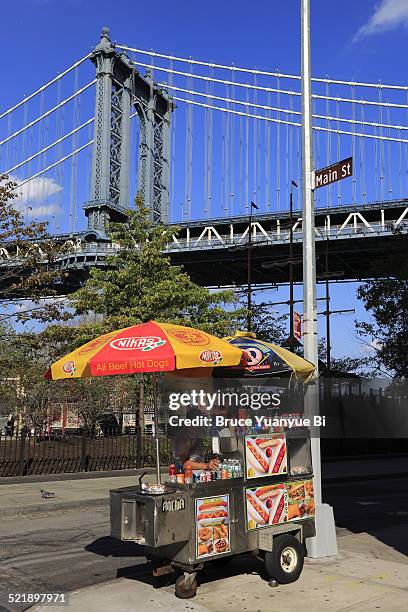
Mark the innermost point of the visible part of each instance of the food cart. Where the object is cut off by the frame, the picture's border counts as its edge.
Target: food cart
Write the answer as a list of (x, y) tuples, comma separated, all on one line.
[(261, 501), (265, 506), (268, 511)]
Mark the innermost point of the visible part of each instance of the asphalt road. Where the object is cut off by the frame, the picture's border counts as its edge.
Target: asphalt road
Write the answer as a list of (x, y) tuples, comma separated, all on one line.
[(65, 550)]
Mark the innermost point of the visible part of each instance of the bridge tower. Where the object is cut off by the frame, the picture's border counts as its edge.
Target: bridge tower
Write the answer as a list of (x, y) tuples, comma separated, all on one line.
[(119, 89)]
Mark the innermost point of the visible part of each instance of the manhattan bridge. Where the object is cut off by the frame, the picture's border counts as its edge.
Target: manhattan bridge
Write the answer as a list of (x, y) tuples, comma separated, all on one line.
[(201, 140)]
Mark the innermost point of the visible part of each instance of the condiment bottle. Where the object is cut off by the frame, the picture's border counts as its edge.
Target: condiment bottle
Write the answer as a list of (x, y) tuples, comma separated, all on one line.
[(172, 473), (188, 476), (180, 474)]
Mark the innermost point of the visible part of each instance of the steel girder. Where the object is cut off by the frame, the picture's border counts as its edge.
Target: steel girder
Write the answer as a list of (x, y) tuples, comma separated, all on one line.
[(119, 87)]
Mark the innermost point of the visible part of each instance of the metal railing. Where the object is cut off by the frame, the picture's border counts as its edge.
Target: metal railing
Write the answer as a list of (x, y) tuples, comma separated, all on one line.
[(23, 453)]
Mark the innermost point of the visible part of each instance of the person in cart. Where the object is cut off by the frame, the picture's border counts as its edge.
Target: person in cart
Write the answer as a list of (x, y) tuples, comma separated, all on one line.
[(188, 445)]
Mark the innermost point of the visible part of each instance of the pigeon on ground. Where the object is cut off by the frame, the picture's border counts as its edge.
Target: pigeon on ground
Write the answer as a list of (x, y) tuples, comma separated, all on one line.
[(46, 494)]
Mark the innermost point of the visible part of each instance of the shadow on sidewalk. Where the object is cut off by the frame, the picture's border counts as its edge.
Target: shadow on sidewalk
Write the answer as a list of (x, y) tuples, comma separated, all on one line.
[(111, 547), (143, 571), (377, 506)]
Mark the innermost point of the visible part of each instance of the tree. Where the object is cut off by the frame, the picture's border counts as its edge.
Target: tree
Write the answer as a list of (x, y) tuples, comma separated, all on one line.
[(22, 364), (27, 254), (266, 325), (387, 301), (363, 366), (139, 283)]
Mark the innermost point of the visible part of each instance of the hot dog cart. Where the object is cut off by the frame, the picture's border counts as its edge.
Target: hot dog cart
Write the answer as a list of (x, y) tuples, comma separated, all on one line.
[(268, 510), (266, 506)]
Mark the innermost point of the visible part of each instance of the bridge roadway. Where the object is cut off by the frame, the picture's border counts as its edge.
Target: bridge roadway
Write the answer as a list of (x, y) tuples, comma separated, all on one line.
[(362, 242)]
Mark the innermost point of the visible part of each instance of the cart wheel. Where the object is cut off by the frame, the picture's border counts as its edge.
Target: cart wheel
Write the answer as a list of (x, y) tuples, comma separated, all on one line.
[(182, 592), (285, 563)]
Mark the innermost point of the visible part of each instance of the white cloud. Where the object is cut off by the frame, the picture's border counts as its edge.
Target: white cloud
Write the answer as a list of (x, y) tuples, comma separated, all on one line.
[(388, 14), (32, 197), (37, 189), (372, 347)]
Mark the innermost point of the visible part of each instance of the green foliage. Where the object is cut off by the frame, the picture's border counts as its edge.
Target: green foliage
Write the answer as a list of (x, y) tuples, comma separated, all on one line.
[(266, 325), (387, 301), (29, 272), (363, 366), (139, 283), (22, 365)]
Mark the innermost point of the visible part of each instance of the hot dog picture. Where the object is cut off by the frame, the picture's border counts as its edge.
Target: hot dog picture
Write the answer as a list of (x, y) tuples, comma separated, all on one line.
[(256, 509), (265, 455), (278, 503), (213, 513), (256, 457), (213, 501), (268, 443), (212, 525), (278, 509), (266, 505)]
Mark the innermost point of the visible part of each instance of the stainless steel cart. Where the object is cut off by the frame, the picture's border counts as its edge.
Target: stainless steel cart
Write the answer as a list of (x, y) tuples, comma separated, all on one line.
[(190, 525)]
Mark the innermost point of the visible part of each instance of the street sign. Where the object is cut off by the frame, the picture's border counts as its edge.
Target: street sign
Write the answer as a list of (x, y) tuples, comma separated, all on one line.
[(297, 325), (333, 173)]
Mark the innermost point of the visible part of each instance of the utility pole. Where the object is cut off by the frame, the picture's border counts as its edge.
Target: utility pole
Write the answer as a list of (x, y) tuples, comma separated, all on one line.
[(249, 268), (324, 544), (291, 296), (328, 345)]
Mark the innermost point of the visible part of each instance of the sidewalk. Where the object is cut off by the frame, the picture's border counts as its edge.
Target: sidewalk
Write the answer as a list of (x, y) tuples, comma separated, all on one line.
[(354, 582), (25, 497)]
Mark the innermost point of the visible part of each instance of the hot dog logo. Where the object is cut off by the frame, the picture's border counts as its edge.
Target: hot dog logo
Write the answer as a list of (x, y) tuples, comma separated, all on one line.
[(189, 336), (69, 367), (94, 344), (210, 356), (137, 343)]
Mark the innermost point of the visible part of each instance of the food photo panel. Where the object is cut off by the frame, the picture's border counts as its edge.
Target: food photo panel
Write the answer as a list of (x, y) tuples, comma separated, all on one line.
[(265, 455), (266, 505), (212, 525)]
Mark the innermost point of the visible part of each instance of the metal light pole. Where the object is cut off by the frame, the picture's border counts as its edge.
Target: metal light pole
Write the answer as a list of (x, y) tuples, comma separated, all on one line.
[(324, 544)]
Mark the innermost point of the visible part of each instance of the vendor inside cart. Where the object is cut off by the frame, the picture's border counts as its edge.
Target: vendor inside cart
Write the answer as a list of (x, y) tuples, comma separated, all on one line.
[(188, 445)]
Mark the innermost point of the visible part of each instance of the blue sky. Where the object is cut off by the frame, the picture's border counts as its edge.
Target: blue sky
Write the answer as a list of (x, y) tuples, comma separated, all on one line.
[(39, 37), (364, 40)]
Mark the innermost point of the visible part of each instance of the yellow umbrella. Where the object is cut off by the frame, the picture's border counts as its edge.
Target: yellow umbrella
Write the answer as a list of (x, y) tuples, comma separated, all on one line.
[(147, 347)]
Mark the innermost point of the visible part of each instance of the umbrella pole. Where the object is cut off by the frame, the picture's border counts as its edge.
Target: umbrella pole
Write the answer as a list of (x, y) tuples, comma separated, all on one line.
[(156, 427)]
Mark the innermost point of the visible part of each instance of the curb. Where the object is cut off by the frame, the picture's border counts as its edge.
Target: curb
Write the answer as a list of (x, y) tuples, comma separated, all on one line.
[(7, 480)]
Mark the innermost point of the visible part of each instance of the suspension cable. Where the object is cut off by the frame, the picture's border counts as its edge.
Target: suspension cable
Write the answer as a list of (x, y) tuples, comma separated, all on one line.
[(54, 80), (266, 89), (50, 146), (259, 72), (51, 166), (46, 114), (283, 121), (284, 110)]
